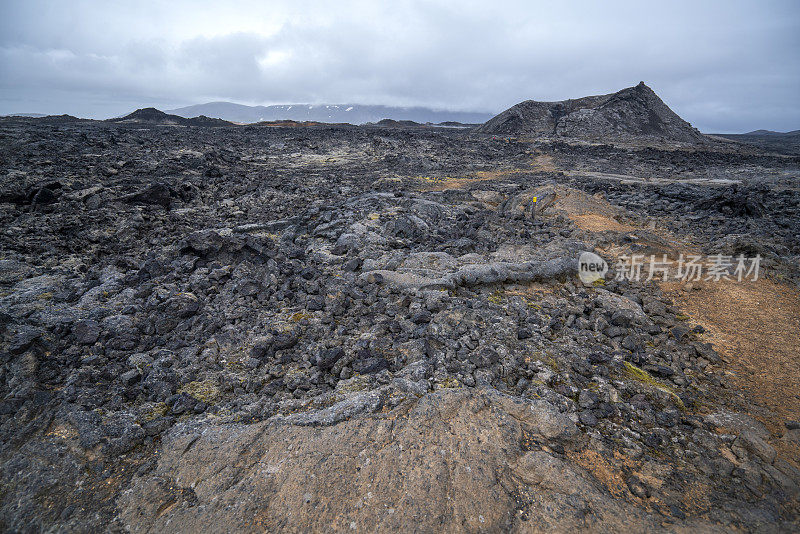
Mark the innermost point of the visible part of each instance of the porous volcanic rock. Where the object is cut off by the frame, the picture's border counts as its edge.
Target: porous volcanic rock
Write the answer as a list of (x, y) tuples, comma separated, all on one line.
[(344, 328)]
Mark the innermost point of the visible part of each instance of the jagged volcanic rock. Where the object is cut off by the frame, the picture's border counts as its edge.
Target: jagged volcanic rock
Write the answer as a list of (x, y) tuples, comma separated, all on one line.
[(298, 328), (632, 112)]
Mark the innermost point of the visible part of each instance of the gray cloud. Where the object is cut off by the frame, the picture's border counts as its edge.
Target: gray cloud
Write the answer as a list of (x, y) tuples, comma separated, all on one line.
[(724, 66)]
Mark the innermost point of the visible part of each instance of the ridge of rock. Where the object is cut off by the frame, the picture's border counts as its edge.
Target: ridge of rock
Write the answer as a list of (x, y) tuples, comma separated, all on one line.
[(632, 112)]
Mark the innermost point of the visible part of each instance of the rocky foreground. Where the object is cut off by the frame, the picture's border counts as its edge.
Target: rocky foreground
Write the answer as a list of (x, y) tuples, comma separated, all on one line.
[(246, 328)]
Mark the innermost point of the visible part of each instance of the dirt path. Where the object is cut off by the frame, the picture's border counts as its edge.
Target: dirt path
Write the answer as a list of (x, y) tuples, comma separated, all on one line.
[(756, 326)]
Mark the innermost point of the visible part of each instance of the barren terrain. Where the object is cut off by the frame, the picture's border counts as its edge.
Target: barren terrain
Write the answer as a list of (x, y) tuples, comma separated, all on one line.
[(243, 328)]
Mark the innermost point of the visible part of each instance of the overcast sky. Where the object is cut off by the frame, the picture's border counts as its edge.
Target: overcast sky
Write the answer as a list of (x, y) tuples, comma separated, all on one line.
[(723, 66)]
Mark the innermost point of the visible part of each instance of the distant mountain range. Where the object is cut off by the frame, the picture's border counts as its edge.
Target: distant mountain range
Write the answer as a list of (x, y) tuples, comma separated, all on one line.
[(31, 115), (633, 111), (785, 143), (332, 113), (770, 132)]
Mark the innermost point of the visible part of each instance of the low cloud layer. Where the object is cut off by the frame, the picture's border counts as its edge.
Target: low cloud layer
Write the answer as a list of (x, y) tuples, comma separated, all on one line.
[(724, 66)]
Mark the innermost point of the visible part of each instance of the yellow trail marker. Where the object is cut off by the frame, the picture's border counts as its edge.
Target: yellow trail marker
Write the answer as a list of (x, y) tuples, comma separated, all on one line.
[(534, 198)]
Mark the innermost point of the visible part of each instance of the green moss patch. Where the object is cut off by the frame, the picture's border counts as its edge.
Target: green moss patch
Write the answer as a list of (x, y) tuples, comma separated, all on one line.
[(205, 391), (640, 375)]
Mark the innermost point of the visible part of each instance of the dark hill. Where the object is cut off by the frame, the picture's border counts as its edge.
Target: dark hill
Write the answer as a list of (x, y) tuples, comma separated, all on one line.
[(155, 116), (391, 123), (632, 112), (39, 118)]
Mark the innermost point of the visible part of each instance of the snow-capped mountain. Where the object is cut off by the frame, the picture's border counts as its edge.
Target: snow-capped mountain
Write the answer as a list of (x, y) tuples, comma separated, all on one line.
[(351, 113)]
